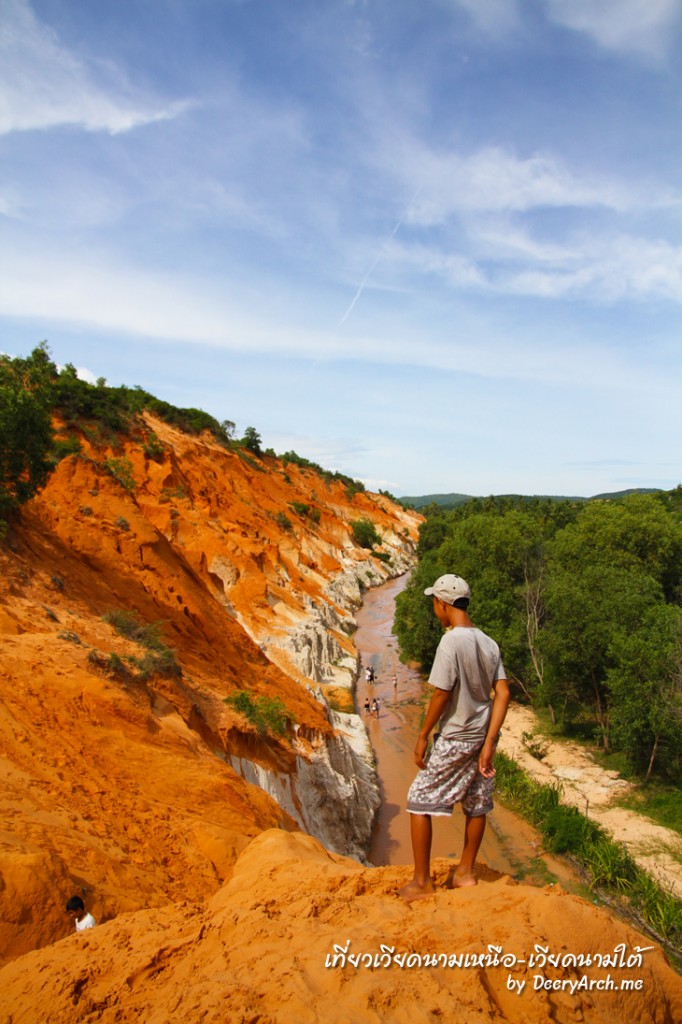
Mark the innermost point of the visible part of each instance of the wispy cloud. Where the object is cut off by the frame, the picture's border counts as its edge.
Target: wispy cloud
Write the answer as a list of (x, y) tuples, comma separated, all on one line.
[(606, 269), (495, 179), (90, 292), (635, 26), (43, 85), (599, 267)]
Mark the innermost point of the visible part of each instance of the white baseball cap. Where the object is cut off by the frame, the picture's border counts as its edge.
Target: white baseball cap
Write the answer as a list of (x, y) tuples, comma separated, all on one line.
[(449, 588)]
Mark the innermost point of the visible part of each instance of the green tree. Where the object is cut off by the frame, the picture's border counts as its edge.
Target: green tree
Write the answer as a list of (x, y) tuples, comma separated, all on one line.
[(416, 627), (252, 440), (499, 552), (26, 441), (646, 691), (365, 533), (586, 612), (636, 531)]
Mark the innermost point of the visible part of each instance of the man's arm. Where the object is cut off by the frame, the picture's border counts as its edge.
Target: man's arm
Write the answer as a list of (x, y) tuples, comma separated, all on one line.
[(497, 715), (437, 705)]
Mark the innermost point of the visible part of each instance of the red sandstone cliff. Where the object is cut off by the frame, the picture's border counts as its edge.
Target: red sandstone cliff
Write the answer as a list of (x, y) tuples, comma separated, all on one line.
[(121, 784)]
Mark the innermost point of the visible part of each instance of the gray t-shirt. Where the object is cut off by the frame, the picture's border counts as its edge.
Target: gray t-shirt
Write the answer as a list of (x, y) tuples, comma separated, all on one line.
[(468, 663)]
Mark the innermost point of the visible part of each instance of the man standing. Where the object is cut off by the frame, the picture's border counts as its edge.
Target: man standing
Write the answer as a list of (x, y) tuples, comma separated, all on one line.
[(466, 669)]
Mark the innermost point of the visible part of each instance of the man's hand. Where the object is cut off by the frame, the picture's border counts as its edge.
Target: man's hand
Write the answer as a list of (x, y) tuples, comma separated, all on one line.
[(437, 704), (420, 751), (485, 759)]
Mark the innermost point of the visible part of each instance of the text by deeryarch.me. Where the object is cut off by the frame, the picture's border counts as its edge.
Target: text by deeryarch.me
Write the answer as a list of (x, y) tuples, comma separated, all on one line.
[(541, 959)]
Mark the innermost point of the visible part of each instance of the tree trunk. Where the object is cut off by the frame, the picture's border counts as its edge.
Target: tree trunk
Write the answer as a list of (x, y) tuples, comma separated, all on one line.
[(602, 718), (533, 619), (652, 759)]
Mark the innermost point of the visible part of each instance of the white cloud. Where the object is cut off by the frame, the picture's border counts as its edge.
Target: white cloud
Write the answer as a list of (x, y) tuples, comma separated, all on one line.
[(595, 267), (492, 179), (43, 85), (85, 291), (620, 267), (639, 26)]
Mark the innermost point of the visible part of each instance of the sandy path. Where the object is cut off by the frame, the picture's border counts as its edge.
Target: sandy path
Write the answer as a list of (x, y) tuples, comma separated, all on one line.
[(591, 789)]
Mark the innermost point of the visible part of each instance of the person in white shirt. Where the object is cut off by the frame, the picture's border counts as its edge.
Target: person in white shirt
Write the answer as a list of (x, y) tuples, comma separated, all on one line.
[(466, 672), (75, 908)]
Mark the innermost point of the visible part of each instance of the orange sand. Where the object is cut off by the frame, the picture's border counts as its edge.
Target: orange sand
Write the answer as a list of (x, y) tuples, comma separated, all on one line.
[(256, 951)]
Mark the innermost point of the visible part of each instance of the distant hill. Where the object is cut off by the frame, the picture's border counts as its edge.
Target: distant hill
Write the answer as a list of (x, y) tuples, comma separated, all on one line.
[(631, 490), (450, 500), (454, 500)]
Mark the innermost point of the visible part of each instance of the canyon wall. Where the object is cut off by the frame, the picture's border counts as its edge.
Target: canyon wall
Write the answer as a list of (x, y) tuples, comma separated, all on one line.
[(126, 775)]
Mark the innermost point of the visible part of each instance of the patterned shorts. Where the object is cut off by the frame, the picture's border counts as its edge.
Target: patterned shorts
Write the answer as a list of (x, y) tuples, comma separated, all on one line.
[(451, 775)]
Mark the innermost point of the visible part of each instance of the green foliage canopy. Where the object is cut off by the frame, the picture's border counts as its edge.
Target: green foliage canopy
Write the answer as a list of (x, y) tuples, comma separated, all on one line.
[(26, 444), (584, 600), (365, 533)]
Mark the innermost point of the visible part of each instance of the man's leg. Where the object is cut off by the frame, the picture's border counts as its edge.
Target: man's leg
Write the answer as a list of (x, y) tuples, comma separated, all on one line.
[(473, 836), (421, 884)]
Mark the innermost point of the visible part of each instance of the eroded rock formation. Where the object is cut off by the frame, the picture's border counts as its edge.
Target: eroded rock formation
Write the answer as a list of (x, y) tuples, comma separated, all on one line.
[(125, 774)]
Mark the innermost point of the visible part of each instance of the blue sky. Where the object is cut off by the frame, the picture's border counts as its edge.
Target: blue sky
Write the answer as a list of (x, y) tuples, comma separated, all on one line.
[(434, 244)]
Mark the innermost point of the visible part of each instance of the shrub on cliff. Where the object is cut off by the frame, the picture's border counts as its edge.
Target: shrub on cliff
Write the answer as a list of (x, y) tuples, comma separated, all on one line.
[(252, 441), (25, 426), (159, 659), (268, 714), (365, 533)]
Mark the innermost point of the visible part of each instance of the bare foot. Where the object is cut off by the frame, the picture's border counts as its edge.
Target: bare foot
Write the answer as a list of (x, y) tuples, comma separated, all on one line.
[(413, 891), (463, 881)]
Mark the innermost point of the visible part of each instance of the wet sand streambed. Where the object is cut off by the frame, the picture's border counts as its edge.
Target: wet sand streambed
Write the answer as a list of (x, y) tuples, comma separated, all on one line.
[(510, 845)]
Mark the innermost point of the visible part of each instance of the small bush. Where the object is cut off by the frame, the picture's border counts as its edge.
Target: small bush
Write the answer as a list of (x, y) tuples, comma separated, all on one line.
[(159, 663), (147, 634), (122, 471), (122, 523), (268, 714), (110, 664), (160, 659), (365, 533), (535, 745), (153, 448), (566, 830), (65, 446), (383, 556), (283, 521), (72, 638)]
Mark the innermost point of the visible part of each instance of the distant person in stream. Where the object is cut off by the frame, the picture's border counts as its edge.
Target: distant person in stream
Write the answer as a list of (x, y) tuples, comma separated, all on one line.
[(466, 671), (75, 908), (375, 708), (367, 707)]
